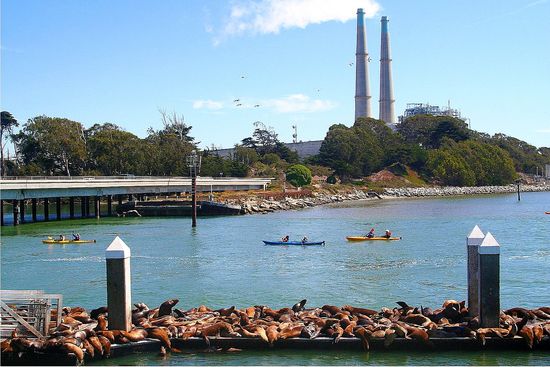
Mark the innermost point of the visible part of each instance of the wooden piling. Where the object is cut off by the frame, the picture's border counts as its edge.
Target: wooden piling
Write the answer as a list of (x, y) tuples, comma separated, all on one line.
[(109, 205), (1, 212), (119, 298), (473, 241), (489, 282)]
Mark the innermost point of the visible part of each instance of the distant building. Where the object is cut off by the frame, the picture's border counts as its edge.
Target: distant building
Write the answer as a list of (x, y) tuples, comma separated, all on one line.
[(427, 109)]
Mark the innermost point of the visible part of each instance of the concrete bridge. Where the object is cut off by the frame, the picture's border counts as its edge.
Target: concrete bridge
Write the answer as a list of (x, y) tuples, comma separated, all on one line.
[(19, 189)]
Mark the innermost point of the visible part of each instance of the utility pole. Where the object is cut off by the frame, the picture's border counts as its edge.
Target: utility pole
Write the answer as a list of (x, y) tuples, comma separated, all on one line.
[(194, 164)]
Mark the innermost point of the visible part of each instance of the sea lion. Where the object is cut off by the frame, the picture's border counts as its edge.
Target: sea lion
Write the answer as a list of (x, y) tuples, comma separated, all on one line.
[(88, 347), (72, 348), (261, 332), (101, 323), (98, 311), (333, 310), (299, 306), (527, 334), (311, 331), (94, 341), (292, 331), (389, 337), (166, 307), (160, 334), (364, 335), (359, 310), (272, 334)]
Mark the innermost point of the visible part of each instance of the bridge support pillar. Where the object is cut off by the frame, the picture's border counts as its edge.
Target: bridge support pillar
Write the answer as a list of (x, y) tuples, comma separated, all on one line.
[(22, 211), (58, 208), (16, 212), (87, 206), (2, 212), (109, 205), (71, 207), (119, 199), (97, 208), (82, 207), (33, 209), (46, 209)]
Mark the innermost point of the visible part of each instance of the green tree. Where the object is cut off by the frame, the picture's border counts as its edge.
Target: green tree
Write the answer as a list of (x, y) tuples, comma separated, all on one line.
[(6, 128), (298, 175), (57, 145), (112, 151)]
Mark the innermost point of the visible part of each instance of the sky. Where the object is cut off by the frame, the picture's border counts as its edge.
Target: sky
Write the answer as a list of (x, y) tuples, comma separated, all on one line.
[(224, 65)]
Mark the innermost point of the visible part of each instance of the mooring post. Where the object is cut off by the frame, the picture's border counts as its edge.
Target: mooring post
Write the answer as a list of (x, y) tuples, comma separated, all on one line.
[(473, 241), (1, 212), (119, 297), (489, 282), (109, 205)]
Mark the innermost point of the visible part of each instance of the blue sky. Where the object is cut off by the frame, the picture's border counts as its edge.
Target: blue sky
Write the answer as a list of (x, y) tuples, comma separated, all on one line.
[(121, 61)]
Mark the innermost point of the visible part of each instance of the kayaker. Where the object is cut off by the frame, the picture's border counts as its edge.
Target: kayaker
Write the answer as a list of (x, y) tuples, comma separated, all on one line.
[(371, 233), (76, 237), (387, 234), (285, 238), (61, 237), (304, 240)]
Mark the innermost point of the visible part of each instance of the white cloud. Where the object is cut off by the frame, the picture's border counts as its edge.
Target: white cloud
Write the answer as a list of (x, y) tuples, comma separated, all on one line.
[(298, 103), (543, 131), (270, 16), (208, 104)]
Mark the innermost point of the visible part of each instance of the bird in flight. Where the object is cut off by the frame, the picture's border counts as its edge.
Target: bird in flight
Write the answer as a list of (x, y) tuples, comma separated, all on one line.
[(256, 105), (242, 76), (350, 64), (236, 100), (239, 104)]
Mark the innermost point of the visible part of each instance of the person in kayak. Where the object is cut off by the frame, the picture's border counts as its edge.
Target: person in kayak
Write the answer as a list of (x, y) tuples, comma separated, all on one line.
[(304, 240), (61, 237), (387, 234), (285, 238), (76, 237), (371, 233)]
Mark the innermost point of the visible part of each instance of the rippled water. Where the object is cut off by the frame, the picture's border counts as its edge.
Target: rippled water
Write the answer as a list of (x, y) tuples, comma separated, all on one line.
[(223, 262)]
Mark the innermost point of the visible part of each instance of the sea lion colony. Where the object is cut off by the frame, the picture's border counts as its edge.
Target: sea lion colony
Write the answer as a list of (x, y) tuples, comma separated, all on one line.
[(84, 333)]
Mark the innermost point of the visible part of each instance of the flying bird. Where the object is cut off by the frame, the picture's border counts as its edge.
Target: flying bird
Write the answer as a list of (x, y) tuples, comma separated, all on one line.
[(242, 76), (236, 100), (239, 104), (256, 105), (350, 64)]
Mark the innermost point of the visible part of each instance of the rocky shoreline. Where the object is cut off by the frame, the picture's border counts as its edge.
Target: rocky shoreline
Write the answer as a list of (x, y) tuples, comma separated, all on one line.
[(254, 204)]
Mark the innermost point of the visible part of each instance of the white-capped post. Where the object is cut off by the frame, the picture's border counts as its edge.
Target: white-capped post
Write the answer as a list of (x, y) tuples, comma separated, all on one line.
[(489, 282), (119, 296), (473, 241)]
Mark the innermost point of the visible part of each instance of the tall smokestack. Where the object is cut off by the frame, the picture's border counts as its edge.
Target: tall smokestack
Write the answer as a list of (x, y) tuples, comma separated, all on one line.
[(387, 113), (362, 90)]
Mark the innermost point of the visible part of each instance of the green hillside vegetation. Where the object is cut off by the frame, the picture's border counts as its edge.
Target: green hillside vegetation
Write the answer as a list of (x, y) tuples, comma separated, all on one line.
[(423, 150)]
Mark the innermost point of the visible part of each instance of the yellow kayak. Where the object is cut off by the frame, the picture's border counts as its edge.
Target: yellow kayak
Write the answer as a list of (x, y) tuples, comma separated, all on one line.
[(51, 241), (364, 238)]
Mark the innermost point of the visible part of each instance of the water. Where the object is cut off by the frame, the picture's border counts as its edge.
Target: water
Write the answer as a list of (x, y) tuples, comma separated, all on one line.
[(223, 262)]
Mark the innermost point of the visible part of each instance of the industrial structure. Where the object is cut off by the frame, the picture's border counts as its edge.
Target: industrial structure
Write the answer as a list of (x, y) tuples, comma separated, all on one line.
[(362, 90), (427, 109), (386, 110)]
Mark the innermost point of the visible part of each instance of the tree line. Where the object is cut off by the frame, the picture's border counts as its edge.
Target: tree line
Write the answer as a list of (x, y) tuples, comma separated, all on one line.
[(441, 149)]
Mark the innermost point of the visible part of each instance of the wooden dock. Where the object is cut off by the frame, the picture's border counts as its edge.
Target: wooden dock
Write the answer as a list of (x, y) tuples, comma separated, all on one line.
[(323, 343)]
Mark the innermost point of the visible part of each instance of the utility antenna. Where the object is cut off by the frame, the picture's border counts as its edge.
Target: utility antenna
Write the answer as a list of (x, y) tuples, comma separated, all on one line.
[(295, 135)]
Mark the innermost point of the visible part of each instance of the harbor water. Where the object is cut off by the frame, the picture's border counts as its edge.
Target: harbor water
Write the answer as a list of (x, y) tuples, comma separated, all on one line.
[(223, 262)]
